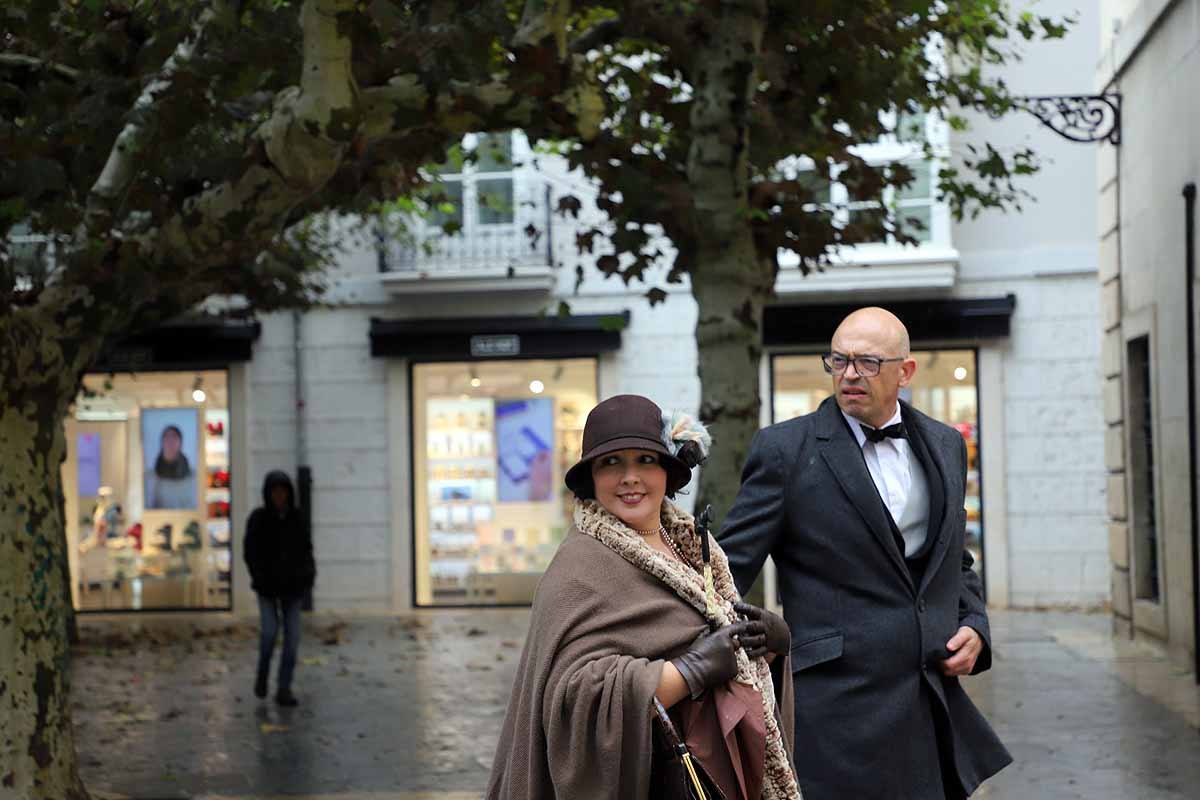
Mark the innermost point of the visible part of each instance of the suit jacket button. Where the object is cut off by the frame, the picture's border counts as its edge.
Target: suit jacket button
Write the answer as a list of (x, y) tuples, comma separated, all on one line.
[(921, 605)]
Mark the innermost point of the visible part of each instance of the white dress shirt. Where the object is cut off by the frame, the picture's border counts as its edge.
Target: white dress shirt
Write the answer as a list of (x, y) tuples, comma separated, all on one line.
[(888, 463)]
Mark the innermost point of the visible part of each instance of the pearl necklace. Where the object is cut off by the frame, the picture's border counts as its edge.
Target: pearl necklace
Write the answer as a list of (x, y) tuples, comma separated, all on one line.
[(667, 540)]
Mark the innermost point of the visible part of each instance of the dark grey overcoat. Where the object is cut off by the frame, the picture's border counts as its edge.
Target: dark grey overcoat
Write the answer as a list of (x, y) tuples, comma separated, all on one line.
[(868, 628)]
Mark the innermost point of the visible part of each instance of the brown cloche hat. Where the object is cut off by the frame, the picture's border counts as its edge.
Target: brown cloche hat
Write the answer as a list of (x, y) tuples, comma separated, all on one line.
[(624, 422)]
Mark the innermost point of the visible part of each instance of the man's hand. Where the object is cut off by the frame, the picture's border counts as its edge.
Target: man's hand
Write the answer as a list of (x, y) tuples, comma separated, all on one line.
[(770, 634), (966, 645)]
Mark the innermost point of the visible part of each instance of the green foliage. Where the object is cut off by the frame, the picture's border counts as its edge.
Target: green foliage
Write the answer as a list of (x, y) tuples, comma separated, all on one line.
[(831, 76)]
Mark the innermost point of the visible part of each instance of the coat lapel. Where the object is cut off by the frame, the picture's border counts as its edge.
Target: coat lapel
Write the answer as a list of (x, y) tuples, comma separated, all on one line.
[(935, 478), (845, 460), (940, 489)]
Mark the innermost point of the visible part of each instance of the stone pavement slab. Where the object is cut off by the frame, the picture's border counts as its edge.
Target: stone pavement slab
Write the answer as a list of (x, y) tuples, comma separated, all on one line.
[(409, 708)]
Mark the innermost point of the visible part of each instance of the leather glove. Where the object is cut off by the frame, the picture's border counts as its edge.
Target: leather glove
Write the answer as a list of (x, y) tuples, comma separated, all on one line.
[(712, 660), (769, 632)]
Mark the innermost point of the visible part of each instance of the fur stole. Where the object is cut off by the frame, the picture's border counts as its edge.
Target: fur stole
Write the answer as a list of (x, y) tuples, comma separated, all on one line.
[(591, 518)]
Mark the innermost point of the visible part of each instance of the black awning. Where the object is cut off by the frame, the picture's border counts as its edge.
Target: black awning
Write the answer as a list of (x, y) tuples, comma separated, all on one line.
[(458, 339), (206, 342), (799, 325)]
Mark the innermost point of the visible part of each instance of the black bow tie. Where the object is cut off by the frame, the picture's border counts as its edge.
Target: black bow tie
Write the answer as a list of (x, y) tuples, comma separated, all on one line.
[(879, 434)]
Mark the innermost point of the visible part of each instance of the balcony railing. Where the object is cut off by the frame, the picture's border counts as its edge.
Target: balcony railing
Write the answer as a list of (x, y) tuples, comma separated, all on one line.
[(478, 249)]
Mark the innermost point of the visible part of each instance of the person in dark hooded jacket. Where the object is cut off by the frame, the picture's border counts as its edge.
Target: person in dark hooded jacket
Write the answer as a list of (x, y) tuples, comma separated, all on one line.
[(279, 553)]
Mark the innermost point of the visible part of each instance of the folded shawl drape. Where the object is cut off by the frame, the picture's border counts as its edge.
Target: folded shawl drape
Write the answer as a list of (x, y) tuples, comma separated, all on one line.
[(608, 613)]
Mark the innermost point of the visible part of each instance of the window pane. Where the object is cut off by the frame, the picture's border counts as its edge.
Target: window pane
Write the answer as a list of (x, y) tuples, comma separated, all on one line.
[(147, 481), (865, 224), (447, 205), (910, 127), (921, 187), (492, 441), (495, 200), (818, 185), (916, 221), (1144, 517), (493, 152)]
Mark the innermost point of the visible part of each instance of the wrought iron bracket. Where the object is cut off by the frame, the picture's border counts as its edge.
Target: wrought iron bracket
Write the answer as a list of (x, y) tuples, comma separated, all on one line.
[(1079, 117)]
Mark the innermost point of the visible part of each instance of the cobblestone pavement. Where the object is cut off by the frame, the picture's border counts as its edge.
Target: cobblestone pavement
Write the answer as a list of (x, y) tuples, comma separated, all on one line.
[(408, 709)]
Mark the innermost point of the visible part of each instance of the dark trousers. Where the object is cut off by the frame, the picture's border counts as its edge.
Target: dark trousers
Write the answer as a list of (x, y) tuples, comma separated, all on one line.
[(271, 611)]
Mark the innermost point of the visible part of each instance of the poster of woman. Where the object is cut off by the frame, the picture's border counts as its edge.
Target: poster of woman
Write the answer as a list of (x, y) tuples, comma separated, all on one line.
[(170, 439)]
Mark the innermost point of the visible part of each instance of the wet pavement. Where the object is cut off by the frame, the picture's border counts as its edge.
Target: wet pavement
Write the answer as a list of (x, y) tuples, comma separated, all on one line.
[(409, 708)]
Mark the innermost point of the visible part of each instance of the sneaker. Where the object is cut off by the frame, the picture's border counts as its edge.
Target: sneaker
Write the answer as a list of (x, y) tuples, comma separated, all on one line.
[(284, 697), (260, 687)]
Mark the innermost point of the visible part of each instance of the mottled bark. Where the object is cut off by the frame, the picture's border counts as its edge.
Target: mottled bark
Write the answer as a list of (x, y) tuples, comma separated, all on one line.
[(37, 383), (730, 282)]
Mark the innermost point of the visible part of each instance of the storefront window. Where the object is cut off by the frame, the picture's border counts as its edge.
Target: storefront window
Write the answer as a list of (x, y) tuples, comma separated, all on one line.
[(944, 388), (146, 483), (491, 442)]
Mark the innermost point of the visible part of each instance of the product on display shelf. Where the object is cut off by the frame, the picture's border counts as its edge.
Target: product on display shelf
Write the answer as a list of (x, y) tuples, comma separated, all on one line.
[(163, 536), (218, 532), (191, 536)]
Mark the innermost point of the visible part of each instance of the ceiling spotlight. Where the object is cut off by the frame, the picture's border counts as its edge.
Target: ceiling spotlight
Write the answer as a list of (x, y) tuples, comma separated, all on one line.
[(476, 383), (537, 387), (960, 373), (198, 395)]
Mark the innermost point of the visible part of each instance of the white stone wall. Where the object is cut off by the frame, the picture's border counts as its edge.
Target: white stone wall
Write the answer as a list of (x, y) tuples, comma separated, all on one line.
[(345, 417), (1152, 58), (1056, 537)]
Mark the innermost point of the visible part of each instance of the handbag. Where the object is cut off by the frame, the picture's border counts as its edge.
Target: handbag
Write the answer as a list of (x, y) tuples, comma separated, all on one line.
[(674, 773)]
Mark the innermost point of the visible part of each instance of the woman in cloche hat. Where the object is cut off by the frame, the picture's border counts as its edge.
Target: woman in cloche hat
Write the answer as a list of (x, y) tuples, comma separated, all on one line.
[(624, 615)]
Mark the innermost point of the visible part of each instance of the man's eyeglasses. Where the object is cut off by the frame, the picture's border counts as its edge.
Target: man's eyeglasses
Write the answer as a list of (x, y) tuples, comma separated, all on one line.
[(866, 366)]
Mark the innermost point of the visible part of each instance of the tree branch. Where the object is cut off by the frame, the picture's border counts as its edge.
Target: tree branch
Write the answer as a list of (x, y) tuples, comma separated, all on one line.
[(139, 133), (406, 103), (18, 61), (541, 19), (293, 154)]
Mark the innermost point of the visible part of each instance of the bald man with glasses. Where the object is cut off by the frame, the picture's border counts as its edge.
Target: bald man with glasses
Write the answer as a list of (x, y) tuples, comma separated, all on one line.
[(860, 504)]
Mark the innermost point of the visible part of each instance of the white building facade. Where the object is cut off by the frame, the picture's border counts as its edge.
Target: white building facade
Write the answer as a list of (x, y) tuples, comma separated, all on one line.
[(439, 398), (1147, 208)]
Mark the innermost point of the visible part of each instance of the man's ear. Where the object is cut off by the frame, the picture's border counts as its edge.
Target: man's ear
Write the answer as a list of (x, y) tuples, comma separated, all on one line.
[(908, 369)]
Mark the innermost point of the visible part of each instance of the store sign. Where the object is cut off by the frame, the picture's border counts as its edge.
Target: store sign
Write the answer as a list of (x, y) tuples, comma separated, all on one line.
[(131, 358), (499, 345)]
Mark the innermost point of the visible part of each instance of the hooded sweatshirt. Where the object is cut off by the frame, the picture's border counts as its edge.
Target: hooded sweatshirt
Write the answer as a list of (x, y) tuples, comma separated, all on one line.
[(278, 547)]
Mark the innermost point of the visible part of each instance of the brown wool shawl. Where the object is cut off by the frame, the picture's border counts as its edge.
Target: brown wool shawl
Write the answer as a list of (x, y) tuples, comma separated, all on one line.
[(609, 612)]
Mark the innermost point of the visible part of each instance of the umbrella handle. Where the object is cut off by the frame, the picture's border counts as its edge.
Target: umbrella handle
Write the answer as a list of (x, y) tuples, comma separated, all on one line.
[(702, 530)]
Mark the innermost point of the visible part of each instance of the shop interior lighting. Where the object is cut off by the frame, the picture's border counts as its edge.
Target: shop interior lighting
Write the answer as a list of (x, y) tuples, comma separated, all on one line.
[(198, 393), (475, 381), (960, 373), (537, 387)]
